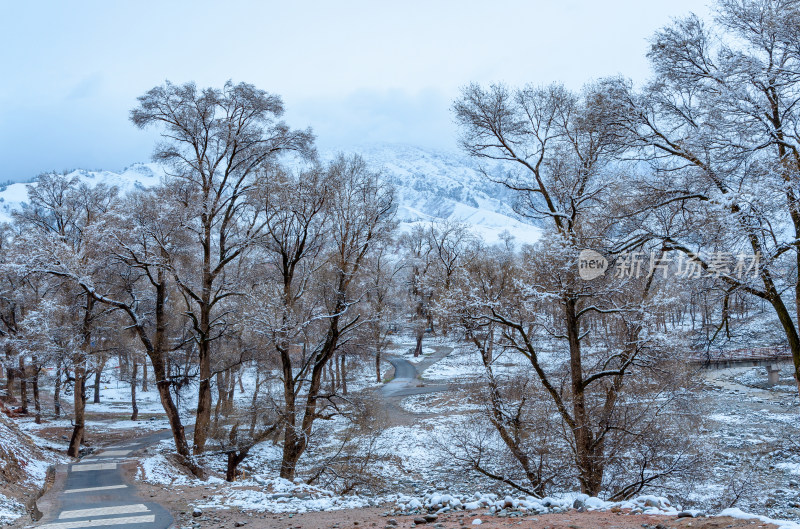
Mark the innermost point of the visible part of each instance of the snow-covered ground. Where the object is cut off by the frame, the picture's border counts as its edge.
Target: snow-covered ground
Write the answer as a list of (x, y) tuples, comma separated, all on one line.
[(23, 466), (361, 374), (441, 403), (10, 509), (750, 431), (409, 353), (465, 364)]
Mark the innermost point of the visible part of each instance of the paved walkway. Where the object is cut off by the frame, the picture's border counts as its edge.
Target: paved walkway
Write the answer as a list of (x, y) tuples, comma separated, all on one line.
[(95, 493)]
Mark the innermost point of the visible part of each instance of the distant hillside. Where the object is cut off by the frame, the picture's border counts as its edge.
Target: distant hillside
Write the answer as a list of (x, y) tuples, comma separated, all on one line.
[(136, 176), (434, 184), (430, 185)]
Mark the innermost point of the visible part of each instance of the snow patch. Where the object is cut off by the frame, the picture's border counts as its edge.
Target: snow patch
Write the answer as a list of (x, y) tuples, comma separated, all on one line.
[(280, 495), (10, 510), (733, 512)]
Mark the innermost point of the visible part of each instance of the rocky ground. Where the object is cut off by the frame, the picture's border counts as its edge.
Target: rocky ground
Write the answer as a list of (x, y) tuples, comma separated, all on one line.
[(374, 517)]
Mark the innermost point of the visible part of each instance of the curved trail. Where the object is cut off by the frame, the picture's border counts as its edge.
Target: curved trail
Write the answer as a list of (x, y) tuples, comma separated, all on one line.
[(405, 381), (95, 493)]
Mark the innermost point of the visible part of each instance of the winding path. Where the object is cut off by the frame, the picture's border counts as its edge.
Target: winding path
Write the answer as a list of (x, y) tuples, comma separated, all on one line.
[(94, 493), (405, 381)]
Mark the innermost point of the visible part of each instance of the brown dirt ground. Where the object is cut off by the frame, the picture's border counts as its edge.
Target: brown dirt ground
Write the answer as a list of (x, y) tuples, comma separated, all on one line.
[(178, 501), (92, 437), (370, 518)]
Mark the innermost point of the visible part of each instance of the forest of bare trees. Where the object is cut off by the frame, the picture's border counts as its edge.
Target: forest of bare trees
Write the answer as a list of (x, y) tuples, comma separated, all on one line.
[(255, 257)]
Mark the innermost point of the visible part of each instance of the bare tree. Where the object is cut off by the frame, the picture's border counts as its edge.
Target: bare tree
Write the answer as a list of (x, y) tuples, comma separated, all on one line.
[(62, 220), (321, 227), (119, 268), (555, 147), (719, 125), (382, 300), (216, 141), (418, 253)]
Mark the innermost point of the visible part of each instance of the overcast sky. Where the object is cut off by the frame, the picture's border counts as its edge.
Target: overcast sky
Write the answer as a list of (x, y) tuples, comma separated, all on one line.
[(356, 72)]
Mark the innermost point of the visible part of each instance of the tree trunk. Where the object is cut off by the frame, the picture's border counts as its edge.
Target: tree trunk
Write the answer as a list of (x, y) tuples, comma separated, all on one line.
[(144, 375), (418, 348), (290, 439), (291, 454), (11, 372), (134, 373), (220, 398), (253, 404), (234, 458), (37, 404), (231, 393), (173, 416), (296, 439), (155, 351), (57, 390), (344, 374), (11, 380), (337, 373), (78, 404), (790, 330), (23, 385), (589, 461), (203, 415), (97, 375), (79, 395), (378, 365)]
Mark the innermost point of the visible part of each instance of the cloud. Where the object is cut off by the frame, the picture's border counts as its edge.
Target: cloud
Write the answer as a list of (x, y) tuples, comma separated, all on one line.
[(359, 73), (84, 133), (371, 116), (93, 132), (89, 86)]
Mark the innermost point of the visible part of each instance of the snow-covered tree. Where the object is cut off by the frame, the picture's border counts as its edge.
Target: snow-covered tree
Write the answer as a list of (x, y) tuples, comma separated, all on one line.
[(216, 142), (719, 126), (63, 234), (556, 150)]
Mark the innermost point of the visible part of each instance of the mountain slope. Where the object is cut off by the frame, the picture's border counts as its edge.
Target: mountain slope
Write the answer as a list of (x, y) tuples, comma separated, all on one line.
[(430, 185), (433, 185), (136, 176)]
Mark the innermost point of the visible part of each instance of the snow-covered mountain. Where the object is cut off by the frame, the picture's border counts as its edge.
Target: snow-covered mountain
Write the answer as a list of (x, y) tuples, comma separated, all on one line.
[(429, 185), (137, 176), (433, 184)]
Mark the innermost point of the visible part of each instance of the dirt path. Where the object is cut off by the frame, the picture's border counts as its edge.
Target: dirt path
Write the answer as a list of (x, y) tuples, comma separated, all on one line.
[(405, 381)]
